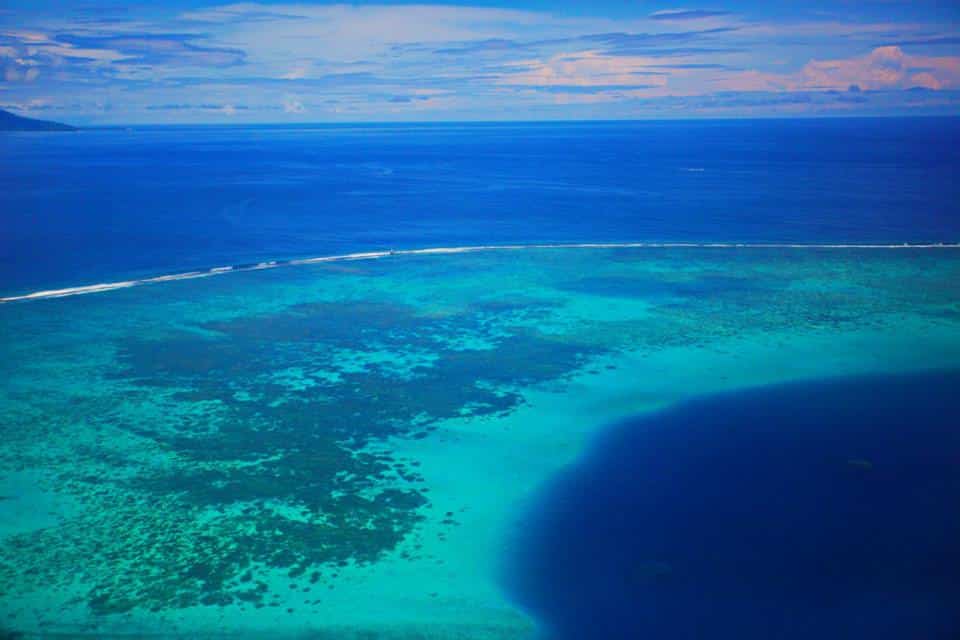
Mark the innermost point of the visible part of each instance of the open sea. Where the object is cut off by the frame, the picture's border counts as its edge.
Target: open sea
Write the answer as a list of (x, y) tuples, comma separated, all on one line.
[(482, 381), (109, 204)]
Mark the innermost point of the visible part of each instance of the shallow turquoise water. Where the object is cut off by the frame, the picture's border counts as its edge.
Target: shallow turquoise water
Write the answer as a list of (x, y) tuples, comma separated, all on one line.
[(341, 447)]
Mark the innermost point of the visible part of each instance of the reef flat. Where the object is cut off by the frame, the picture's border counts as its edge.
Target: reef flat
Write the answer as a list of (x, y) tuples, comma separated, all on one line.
[(340, 448)]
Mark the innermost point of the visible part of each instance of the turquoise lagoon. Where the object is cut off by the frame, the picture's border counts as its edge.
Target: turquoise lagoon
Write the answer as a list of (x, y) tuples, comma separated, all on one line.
[(342, 449)]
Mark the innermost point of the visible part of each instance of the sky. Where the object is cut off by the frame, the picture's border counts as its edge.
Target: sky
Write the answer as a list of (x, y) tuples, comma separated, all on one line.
[(189, 61)]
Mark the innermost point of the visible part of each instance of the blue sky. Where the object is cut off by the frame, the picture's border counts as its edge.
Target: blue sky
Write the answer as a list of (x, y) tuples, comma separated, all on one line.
[(184, 61)]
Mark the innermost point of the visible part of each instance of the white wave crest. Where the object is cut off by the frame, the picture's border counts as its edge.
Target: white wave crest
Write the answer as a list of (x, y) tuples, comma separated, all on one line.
[(73, 291), (374, 255)]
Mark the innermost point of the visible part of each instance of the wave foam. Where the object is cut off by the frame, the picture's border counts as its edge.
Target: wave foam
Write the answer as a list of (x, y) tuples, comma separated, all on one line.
[(375, 255)]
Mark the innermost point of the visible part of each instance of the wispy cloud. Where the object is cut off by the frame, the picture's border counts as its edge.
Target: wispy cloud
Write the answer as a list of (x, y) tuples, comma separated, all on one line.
[(255, 61), (943, 41), (686, 14), (583, 69), (155, 49), (884, 68), (292, 104), (222, 108)]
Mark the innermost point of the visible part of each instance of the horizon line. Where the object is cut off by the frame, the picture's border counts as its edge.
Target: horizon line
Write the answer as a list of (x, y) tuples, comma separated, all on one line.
[(443, 121)]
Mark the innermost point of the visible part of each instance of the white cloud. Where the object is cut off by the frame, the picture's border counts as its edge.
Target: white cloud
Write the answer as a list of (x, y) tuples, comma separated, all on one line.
[(585, 69), (274, 59), (350, 32), (292, 105), (883, 68), (297, 73)]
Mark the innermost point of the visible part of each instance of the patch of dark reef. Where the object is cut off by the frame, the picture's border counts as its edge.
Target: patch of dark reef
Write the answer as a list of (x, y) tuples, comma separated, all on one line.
[(814, 510), (860, 285), (269, 476)]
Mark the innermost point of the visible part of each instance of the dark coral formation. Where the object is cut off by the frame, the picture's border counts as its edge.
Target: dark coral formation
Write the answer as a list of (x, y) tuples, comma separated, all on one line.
[(263, 475), (212, 453)]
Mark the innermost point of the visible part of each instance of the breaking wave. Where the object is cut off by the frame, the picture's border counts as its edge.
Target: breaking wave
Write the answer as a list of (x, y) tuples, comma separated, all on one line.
[(374, 255)]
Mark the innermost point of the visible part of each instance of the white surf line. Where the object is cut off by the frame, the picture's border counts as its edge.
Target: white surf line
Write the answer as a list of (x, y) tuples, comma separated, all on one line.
[(374, 255)]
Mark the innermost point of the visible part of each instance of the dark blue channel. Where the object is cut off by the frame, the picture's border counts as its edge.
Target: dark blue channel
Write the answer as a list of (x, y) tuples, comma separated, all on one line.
[(818, 510)]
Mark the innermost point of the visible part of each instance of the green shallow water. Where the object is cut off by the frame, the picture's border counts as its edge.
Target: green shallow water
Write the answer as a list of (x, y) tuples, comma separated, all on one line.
[(338, 449)]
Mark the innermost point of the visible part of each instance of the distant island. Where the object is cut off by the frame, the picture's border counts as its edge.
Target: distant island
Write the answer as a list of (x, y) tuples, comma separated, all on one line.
[(12, 122)]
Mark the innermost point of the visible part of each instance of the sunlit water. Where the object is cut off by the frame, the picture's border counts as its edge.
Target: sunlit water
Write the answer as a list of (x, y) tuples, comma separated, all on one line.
[(349, 448), (347, 445)]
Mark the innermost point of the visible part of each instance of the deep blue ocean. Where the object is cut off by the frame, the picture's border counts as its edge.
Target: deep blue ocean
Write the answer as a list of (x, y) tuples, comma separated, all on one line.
[(107, 204), (816, 510)]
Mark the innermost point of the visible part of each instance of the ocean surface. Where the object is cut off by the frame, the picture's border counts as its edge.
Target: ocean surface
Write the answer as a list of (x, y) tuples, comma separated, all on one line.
[(813, 510), (484, 381), (113, 204)]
